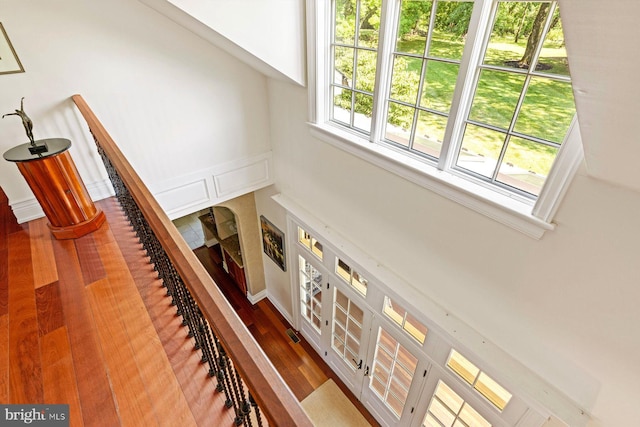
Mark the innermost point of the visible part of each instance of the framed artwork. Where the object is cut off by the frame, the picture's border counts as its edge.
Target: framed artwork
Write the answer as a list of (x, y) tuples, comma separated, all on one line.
[(273, 242), (9, 62)]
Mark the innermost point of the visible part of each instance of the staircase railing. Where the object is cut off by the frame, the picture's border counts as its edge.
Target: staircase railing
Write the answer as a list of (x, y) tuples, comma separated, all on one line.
[(235, 360)]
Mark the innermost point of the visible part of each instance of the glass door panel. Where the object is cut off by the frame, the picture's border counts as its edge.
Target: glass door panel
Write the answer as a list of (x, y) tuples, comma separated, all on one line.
[(349, 330), (392, 370), (310, 293)]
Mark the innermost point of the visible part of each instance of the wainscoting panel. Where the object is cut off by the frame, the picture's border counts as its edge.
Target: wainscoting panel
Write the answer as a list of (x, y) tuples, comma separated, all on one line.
[(185, 196), (247, 176), (201, 189)]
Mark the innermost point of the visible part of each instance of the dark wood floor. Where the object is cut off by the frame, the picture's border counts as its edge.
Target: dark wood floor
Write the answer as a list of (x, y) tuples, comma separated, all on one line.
[(86, 322)]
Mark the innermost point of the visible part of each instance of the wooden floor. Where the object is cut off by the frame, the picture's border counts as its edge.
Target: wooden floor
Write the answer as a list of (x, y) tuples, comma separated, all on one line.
[(86, 322)]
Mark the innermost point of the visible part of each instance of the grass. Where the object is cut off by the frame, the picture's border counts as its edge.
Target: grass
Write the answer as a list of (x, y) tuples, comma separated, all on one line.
[(546, 112)]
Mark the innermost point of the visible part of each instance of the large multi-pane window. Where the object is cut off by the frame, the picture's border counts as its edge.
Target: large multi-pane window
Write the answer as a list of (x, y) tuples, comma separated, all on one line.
[(523, 102), (479, 88)]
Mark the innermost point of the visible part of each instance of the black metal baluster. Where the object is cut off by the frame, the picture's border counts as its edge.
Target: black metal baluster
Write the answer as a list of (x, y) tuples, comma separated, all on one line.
[(237, 398), (223, 362), (246, 407), (219, 374), (256, 410)]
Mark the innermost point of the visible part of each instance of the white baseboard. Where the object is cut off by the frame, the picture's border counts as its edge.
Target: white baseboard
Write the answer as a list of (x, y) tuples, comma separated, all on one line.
[(253, 299), (282, 311), (27, 210)]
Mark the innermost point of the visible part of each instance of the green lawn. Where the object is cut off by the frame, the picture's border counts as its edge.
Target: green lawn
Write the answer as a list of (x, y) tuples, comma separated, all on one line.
[(546, 112)]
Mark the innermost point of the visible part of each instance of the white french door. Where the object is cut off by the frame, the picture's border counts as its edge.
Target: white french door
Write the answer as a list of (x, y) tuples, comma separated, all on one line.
[(394, 374), (312, 279), (370, 354), (349, 334)]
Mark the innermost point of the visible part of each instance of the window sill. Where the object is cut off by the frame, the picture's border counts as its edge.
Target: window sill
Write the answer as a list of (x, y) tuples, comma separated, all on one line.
[(505, 209)]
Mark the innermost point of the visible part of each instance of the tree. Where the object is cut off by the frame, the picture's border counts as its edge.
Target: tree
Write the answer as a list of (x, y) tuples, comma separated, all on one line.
[(414, 18), (454, 17), (535, 35), (370, 14), (518, 31)]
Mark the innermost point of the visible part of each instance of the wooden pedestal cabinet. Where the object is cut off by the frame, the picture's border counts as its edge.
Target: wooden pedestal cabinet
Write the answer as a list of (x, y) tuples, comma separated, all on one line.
[(55, 182)]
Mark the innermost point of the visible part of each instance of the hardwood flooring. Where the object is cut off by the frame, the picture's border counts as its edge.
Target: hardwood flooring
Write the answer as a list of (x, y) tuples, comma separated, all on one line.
[(86, 322)]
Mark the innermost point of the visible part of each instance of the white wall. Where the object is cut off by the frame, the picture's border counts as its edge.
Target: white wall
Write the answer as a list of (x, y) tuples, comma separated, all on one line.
[(277, 281), (173, 102), (565, 306)]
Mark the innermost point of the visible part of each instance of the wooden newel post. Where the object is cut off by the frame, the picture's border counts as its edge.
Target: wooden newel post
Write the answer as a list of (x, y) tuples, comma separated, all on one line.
[(54, 180)]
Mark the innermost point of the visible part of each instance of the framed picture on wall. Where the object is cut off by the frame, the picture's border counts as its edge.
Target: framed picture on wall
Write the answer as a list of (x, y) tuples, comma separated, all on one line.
[(9, 62), (273, 242)]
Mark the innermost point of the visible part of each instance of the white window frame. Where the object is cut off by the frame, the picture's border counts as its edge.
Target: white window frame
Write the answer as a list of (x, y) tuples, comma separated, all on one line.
[(530, 217)]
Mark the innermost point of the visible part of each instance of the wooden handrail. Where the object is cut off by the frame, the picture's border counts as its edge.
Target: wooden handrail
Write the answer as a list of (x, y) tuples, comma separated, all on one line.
[(273, 396)]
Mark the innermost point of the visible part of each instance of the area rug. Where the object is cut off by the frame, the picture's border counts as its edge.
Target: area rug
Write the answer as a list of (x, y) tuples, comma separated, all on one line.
[(327, 406)]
